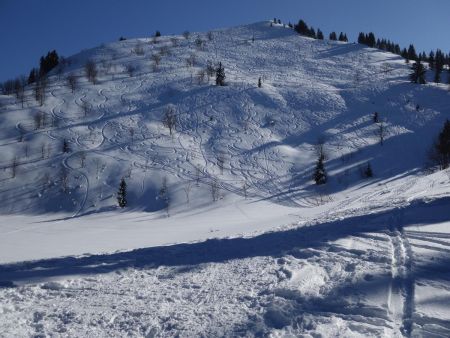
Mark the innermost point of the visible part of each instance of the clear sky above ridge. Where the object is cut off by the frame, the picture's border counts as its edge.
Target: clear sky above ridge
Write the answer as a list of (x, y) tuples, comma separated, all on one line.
[(30, 28)]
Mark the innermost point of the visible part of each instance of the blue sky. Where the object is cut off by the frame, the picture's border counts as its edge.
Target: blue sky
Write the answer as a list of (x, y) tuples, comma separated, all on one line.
[(30, 28)]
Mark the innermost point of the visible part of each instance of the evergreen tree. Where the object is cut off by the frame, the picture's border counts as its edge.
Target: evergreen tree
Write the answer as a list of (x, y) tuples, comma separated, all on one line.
[(418, 74), (438, 65), (259, 83), (342, 38), (333, 36), (320, 35), (220, 75), (412, 55), (404, 54), (376, 117), (33, 76), (157, 34), (370, 40), (122, 194), (442, 146), (362, 38), (437, 75), (431, 60), (302, 28), (312, 33), (320, 175)]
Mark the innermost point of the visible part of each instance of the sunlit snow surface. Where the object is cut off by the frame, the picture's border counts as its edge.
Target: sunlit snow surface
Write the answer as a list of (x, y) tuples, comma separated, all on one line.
[(355, 258)]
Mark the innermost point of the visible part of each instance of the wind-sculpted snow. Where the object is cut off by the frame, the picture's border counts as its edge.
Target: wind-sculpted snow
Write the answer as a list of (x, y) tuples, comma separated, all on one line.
[(243, 243)]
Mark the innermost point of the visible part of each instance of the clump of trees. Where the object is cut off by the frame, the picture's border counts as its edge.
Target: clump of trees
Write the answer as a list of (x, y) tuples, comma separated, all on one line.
[(303, 29), (47, 63), (436, 59), (343, 37), (333, 36), (418, 73)]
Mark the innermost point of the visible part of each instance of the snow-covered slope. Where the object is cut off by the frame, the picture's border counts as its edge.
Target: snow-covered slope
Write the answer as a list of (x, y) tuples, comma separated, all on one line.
[(356, 257)]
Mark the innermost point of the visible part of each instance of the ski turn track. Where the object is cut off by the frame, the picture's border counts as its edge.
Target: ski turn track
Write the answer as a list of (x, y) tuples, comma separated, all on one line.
[(401, 290)]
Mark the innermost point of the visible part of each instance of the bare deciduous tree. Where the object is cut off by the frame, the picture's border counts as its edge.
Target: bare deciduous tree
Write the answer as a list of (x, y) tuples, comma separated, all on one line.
[(187, 190), (220, 162), (191, 60), (14, 165), (43, 145), (210, 69), (215, 191), (244, 189), (174, 42), (164, 195), (131, 69), (197, 175), (82, 159), (85, 107), (21, 96), (164, 50), (91, 71), (39, 90), (201, 75), (156, 58), (72, 82), (381, 132), (64, 179), (170, 119), (138, 49), (38, 120), (199, 42)]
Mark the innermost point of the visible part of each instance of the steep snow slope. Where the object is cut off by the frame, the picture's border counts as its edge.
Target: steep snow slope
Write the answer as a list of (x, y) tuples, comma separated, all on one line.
[(353, 258)]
